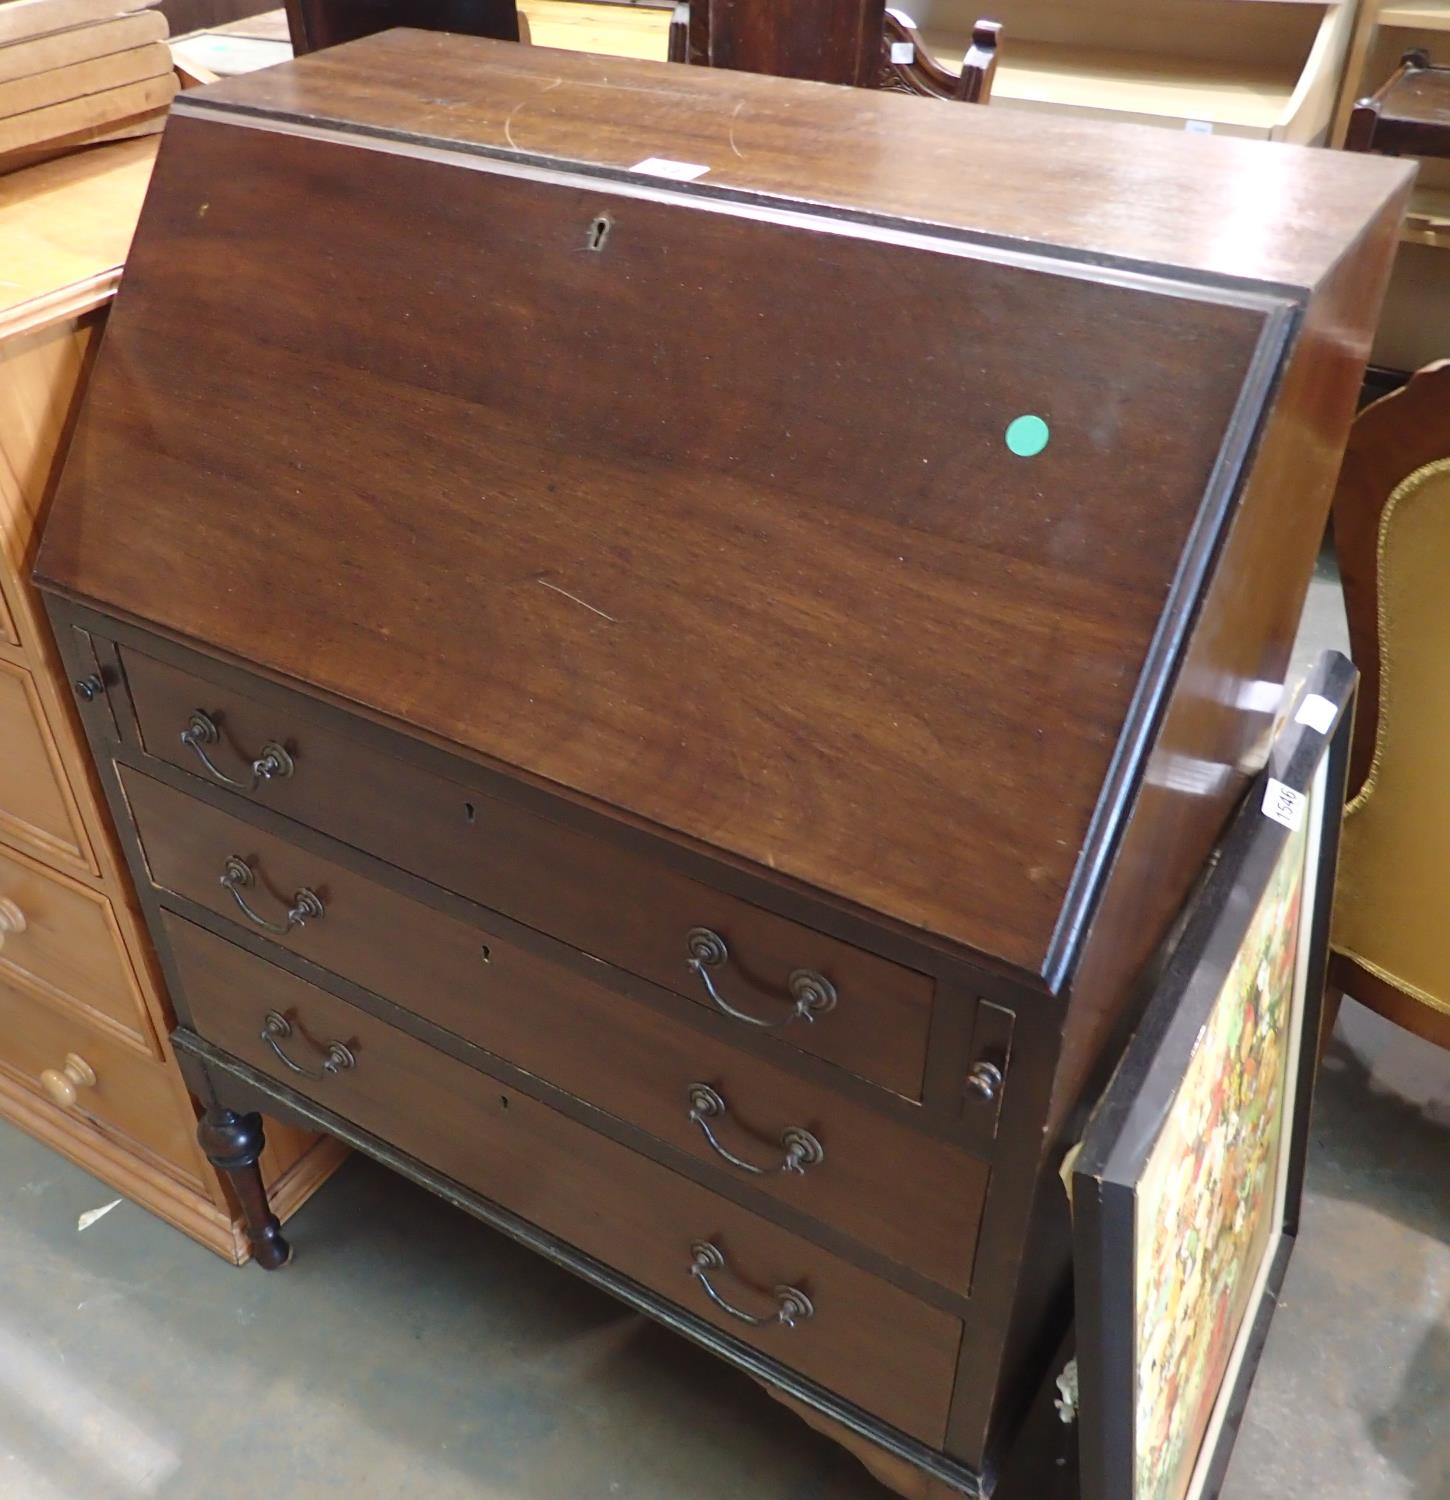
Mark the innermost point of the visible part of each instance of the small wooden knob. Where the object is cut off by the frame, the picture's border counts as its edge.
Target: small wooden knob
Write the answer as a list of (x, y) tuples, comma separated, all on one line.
[(12, 919), (63, 1084)]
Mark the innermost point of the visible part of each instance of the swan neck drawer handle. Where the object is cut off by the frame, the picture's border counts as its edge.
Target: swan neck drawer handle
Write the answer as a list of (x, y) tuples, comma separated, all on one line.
[(336, 1057), (237, 876), (802, 1149), (792, 1306), (12, 919), (811, 994), (273, 763)]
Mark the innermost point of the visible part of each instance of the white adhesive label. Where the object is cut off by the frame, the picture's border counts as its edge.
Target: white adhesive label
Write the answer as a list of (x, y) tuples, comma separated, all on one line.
[(1198, 127), (1284, 805), (1317, 712), (903, 53), (667, 166)]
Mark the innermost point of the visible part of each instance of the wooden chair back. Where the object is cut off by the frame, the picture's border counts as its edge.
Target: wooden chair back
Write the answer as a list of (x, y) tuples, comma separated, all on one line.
[(861, 42), (314, 24), (1391, 935), (1409, 115)]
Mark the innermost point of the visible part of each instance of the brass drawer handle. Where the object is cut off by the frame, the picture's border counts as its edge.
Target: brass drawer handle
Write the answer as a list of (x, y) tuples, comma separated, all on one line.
[(273, 762), (802, 1149), (276, 1028), (306, 906), (813, 994), (792, 1304)]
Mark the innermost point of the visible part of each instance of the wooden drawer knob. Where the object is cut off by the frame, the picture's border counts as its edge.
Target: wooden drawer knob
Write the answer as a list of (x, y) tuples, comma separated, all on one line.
[(64, 1083), (12, 919)]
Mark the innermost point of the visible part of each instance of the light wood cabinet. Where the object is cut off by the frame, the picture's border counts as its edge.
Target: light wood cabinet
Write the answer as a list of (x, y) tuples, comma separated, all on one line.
[(85, 1064), (1266, 69)]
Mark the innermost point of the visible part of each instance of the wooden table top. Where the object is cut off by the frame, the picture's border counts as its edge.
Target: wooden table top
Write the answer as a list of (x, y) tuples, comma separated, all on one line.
[(66, 226)]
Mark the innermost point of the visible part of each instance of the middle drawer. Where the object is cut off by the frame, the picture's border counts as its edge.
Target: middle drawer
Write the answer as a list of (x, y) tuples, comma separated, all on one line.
[(912, 1197)]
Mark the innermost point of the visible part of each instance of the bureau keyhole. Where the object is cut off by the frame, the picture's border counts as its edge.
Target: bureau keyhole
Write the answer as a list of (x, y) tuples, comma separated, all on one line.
[(484, 950), (599, 232), (469, 812)]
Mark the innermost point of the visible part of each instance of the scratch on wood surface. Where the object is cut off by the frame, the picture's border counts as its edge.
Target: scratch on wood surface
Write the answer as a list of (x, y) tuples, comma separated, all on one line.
[(577, 600), (733, 116), (508, 121), (508, 133)]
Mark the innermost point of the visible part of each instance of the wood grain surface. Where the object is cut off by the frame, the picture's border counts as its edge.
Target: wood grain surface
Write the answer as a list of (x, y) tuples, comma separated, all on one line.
[(1132, 192), (108, 106), (92, 76), (726, 591), (67, 226), (62, 49)]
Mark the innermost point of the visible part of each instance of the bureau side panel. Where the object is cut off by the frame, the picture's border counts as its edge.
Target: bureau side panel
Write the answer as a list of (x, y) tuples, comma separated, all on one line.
[(1214, 737)]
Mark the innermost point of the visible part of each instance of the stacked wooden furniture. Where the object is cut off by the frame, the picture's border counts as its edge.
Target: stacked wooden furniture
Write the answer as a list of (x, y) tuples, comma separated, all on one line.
[(1408, 115), (85, 1064), (1265, 69), (1415, 328), (693, 777), (76, 72), (860, 42)]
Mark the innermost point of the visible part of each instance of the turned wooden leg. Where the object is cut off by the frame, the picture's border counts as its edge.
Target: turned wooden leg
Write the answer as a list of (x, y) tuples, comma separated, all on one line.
[(1333, 999), (233, 1144)]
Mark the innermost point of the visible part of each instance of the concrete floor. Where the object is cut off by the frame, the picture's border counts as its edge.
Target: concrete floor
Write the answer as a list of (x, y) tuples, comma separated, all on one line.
[(409, 1351)]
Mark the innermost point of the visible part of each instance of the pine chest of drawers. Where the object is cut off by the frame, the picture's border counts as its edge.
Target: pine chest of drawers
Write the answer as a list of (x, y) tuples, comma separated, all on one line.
[(673, 643), (85, 1062)]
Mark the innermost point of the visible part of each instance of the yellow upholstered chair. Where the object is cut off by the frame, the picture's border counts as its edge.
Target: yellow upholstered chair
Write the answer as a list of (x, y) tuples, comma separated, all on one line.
[(1391, 937)]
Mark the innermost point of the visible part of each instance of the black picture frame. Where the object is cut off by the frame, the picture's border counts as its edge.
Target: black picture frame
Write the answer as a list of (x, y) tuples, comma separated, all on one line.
[(1127, 1155)]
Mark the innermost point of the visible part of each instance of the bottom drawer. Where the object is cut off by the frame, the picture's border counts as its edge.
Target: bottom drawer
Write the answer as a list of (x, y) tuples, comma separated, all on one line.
[(865, 1339), (110, 1082)]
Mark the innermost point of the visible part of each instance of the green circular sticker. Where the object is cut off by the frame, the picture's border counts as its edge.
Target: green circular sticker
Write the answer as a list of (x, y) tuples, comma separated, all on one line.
[(1027, 436)]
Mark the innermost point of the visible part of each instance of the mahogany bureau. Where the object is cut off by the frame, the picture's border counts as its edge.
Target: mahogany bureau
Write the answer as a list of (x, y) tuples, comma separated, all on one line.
[(673, 643)]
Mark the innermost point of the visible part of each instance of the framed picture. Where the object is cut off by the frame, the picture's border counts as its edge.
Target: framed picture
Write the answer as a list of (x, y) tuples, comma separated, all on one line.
[(1186, 1189)]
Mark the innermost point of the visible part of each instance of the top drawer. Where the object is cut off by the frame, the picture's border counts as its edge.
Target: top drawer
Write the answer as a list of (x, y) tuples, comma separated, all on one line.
[(811, 991)]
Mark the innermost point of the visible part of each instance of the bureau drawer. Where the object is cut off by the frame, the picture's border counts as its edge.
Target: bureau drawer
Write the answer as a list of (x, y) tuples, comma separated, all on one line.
[(910, 1196), (96, 1076), (603, 899), (37, 808), (866, 1339), (8, 633), (59, 939)]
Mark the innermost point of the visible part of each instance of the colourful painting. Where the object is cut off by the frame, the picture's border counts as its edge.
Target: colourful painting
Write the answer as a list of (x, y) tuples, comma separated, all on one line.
[(1207, 1202)]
